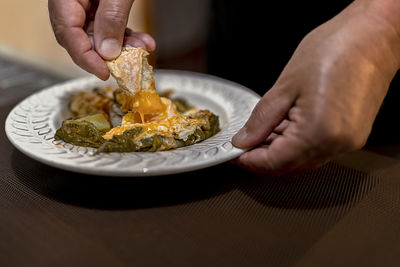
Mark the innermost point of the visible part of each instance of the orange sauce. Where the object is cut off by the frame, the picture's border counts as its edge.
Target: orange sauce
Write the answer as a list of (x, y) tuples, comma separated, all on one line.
[(161, 124), (146, 109), (147, 104)]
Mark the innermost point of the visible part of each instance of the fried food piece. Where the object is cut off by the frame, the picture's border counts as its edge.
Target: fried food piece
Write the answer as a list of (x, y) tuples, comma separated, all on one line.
[(92, 102), (161, 135), (132, 70), (169, 130), (86, 131), (134, 76)]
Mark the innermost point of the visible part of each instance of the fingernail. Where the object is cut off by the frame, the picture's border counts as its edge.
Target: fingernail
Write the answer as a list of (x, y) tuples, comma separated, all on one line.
[(240, 136), (110, 48)]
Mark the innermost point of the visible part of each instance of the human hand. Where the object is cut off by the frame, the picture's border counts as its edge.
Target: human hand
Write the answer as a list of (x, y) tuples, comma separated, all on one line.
[(93, 30), (327, 97)]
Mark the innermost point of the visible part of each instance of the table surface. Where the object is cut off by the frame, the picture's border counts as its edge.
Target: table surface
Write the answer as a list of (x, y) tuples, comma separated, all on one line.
[(346, 213)]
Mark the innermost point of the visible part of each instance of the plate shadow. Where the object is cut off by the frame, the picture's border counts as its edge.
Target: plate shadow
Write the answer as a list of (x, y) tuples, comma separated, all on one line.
[(100, 192)]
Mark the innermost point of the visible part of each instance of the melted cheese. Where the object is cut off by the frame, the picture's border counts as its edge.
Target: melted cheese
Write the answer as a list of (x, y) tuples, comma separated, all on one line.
[(134, 76), (154, 114), (179, 127), (147, 104), (168, 123)]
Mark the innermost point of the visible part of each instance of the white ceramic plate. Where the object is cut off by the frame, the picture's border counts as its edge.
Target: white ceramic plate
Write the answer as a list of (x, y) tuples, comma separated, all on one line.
[(31, 125)]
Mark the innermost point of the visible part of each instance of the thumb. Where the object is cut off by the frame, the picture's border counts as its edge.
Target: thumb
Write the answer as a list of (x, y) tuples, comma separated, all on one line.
[(109, 26), (269, 112)]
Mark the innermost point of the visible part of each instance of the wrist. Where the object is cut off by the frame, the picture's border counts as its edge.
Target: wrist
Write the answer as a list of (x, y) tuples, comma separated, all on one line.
[(381, 20)]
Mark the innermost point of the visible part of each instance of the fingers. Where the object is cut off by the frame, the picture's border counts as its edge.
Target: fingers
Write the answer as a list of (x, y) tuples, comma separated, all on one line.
[(73, 26), (277, 131), (109, 26), (139, 39), (285, 154), (80, 49), (68, 19), (268, 113), (281, 127), (271, 138)]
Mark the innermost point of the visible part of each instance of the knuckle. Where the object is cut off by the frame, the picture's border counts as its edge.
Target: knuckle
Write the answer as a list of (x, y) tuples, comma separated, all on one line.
[(76, 59), (114, 16), (59, 33), (328, 134), (333, 136)]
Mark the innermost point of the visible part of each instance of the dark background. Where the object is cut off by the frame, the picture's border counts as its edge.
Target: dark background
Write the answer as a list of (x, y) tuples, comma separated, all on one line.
[(269, 32)]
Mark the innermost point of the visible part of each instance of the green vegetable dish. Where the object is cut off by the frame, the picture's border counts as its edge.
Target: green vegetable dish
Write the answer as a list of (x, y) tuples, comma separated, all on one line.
[(102, 119)]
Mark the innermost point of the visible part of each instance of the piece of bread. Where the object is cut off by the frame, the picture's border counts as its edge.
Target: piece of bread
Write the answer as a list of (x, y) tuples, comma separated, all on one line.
[(132, 70), (134, 76)]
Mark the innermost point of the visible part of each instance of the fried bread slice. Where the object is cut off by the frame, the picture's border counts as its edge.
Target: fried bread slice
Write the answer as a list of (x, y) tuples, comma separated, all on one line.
[(134, 75), (132, 70)]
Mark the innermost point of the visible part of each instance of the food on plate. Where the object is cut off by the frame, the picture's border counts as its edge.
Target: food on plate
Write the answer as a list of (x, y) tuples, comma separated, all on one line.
[(134, 117)]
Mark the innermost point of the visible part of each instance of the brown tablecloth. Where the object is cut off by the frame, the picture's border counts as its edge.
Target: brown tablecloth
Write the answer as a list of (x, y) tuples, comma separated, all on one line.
[(346, 213)]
